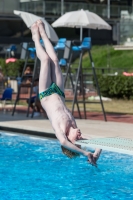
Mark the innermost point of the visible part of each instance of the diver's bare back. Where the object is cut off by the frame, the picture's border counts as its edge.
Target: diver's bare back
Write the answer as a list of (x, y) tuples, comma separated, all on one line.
[(59, 116)]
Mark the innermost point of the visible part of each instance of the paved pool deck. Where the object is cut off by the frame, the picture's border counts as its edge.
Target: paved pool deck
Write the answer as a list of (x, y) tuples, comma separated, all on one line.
[(42, 127)]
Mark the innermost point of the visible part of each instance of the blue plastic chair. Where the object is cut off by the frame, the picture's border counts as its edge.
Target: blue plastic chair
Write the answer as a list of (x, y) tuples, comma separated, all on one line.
[(63, 62), (85, 45), (11, 51), (60, 44), (32, 51), (6, 96)]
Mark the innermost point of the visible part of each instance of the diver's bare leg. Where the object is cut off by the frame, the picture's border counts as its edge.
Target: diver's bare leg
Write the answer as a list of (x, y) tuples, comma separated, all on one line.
[(56, 74), (45, 71)]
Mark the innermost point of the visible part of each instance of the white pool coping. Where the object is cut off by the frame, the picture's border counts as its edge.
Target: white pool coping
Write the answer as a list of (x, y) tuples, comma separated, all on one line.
[(115, 144)]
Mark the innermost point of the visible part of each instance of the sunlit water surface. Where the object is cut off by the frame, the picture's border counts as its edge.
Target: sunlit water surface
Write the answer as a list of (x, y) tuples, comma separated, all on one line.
[(35, 169)]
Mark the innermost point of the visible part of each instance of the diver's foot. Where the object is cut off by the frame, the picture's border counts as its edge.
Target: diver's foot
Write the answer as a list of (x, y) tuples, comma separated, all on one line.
[(41, 28), (35, 32)]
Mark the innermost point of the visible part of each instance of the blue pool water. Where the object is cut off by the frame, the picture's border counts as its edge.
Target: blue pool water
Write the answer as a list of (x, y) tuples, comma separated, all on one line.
[(35, 169)]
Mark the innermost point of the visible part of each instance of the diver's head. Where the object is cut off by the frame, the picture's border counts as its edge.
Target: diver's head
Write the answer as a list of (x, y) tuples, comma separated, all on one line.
[(74, 134)]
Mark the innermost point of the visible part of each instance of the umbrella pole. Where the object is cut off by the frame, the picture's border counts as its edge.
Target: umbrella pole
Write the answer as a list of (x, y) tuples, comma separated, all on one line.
[(81, 33), (89, 32)]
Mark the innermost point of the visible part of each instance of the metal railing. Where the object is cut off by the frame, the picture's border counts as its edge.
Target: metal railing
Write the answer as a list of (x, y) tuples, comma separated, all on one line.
[(88, 76), (55, 9)]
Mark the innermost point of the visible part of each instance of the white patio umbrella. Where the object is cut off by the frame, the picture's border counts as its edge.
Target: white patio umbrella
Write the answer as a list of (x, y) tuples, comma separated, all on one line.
[(30, 18), (81, 19)]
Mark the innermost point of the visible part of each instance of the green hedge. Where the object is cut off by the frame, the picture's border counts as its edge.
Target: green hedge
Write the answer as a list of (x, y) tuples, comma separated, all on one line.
[(119, 86), (110, 86), (12, 69)]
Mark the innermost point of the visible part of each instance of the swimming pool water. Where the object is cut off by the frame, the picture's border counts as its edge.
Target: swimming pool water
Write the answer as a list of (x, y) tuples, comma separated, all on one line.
[(35, 169)]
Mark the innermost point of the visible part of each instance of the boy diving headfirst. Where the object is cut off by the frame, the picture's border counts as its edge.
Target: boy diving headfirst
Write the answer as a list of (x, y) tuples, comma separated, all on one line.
[(51, 93)]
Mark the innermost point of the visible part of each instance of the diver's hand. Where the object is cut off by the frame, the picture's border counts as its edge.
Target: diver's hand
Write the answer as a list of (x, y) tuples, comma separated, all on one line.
[(96, 154), (91, 159)]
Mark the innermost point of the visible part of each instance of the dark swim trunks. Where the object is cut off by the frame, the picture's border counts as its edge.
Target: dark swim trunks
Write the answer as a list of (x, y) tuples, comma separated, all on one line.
[(51, 90)]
